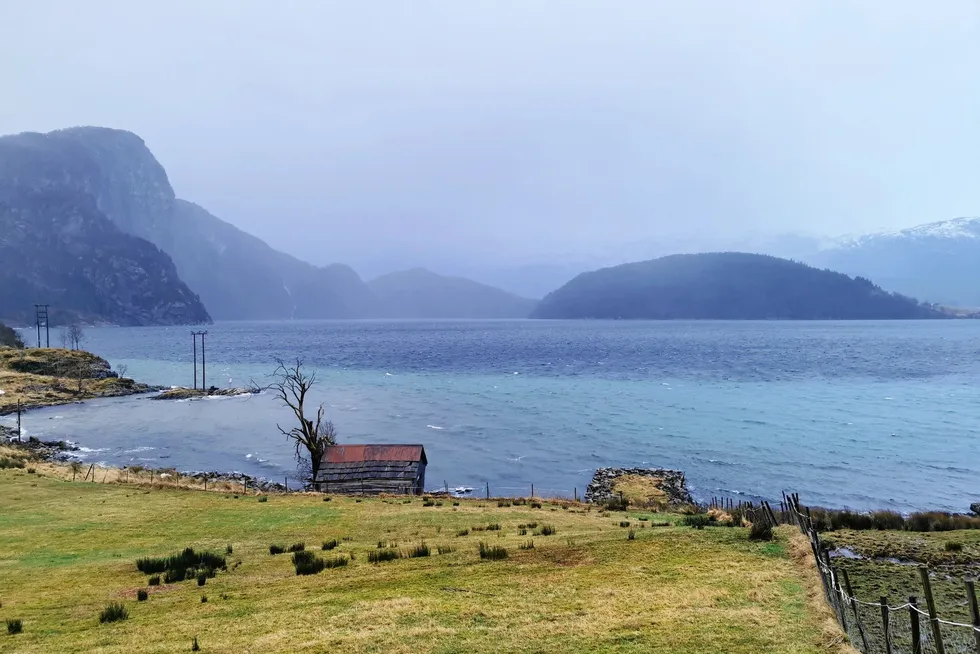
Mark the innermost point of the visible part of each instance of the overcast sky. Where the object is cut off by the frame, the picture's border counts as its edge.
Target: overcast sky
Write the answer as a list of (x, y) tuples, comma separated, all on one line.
[(346, 131)]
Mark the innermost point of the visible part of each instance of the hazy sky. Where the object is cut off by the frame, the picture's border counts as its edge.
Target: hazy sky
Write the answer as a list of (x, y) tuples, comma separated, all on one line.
[(346, 131)]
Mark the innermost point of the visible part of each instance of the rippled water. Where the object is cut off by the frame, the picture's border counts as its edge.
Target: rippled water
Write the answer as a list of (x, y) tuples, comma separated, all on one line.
[(857, 414)]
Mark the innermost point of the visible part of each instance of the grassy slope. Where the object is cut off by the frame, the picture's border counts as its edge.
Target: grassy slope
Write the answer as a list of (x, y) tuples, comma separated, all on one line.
[(46, 377), (66, 549)]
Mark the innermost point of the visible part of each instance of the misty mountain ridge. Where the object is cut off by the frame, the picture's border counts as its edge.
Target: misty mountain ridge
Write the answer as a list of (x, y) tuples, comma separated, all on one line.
[(937, 261), (236, 275), (726, 286), (421, 293)]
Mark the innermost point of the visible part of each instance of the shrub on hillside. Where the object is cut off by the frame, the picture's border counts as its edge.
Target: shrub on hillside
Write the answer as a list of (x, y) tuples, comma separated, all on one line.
[(306, 563), (419, 551), (114, 612), (14, 626), (492, 552), (761, 530), (379, 556), (884, 520)]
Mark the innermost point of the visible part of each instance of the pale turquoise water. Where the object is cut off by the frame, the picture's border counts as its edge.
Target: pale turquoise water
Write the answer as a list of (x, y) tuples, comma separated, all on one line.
[(858, 414)]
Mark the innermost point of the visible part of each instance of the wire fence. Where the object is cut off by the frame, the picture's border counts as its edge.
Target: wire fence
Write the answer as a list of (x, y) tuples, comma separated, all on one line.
[(877, 627)]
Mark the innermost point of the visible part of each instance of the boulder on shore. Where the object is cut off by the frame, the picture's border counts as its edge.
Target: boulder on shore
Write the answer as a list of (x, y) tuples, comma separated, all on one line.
[(670, 486), (975, 508)]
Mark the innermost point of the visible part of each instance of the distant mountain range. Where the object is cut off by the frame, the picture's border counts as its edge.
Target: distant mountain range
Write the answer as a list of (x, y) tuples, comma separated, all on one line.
[(90, 225), (938, 262), (725, 286), (91, 194), (419, 293)]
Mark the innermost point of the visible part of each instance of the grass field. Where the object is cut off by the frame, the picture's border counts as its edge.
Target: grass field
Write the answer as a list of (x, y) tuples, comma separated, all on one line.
[(67, 549), (889, 567)]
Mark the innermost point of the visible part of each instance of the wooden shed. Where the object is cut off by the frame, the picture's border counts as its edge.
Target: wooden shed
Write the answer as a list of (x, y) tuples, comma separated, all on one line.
[(372, 469)]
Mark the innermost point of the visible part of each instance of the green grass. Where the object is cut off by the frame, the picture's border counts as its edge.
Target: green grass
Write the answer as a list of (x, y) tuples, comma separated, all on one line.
[(68, 550), (890, 568)]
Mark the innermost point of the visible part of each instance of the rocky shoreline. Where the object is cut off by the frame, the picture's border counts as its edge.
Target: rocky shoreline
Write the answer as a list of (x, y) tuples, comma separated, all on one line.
[(191, 393), (671, 482)]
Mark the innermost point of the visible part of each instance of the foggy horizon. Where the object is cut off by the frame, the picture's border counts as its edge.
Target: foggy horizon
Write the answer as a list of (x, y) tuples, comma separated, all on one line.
[(520, 133)]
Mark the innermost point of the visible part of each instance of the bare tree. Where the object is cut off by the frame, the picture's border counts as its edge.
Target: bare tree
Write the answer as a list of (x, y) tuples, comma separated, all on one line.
[(311, 438), (121, 370), (71, 336)]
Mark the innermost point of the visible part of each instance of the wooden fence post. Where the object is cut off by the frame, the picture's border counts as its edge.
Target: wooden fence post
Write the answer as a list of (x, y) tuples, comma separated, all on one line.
[(914, 619), (884, 625), (488, 490), (842, 612), (854, 607), (937, 631), (974, 611), (532, 490)]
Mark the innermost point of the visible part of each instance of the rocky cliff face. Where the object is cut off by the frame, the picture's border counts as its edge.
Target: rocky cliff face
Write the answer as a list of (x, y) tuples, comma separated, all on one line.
[(57, 248), (237, 275)]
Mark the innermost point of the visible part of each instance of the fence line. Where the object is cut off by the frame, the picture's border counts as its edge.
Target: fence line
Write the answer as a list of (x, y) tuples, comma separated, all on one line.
[(922, 638)]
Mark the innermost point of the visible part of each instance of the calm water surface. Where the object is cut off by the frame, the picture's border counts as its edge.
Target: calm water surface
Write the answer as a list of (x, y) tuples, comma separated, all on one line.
[(863, 414)]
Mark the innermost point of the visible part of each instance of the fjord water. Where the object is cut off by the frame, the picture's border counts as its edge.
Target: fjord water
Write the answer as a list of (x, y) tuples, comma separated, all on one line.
[(859, 414)]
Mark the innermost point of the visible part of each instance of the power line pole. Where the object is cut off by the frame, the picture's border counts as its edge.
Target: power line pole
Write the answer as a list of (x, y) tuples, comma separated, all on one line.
[(41, 319), (194, 337), (204, 363), (204, 374)]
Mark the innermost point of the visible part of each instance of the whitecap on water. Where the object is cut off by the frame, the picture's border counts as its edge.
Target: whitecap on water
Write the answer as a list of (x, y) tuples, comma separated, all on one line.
[(437, 427)]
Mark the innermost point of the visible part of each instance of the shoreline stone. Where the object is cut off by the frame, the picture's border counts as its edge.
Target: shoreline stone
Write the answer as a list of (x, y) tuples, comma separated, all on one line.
[(191, 393), (673, 484), (975, 508)]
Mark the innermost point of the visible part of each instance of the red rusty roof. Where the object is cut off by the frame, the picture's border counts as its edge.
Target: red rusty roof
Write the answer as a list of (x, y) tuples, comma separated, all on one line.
[(358, 453)]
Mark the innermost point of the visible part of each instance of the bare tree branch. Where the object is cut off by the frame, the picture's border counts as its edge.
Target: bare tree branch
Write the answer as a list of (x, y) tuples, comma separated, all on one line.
[(310, 439)]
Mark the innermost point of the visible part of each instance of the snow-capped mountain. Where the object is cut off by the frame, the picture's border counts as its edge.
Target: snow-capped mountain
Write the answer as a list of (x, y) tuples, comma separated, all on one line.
[(935, 262)]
